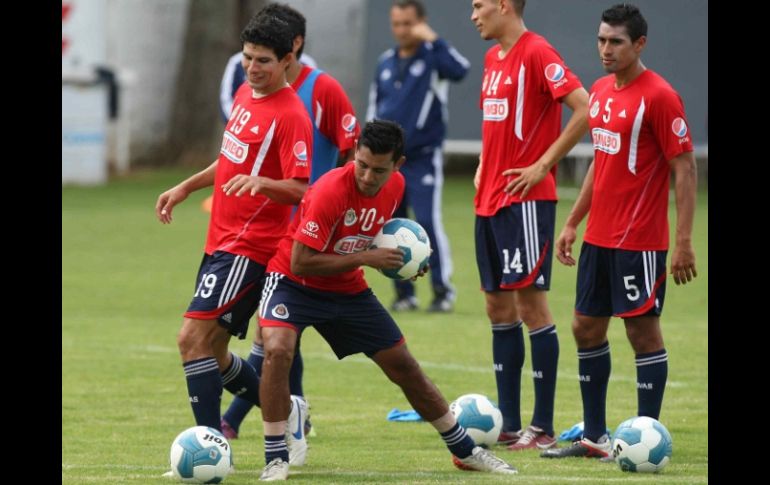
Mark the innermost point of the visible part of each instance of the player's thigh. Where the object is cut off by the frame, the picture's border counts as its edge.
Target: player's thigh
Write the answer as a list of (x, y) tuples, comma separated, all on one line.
[(592, 292)]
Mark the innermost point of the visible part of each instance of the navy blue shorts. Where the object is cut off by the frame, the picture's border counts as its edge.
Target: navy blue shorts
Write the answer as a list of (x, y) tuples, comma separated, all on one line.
[(349, 323), (621, 283), (227, 289), (514, 247)]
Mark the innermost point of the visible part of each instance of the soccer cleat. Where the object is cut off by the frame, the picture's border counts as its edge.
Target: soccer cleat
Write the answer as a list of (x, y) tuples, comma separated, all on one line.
[(441, 305), (533, 437), (508, 437), (295, 432), (169, 474), (585, 448), (228, 431), (481, 460), (405, 304), (276, 470)]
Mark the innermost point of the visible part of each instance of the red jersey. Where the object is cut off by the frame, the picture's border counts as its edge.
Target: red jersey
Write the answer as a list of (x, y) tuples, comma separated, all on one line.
[(270, 137), (522, 117), (636, 130), (332, 115), (335, 218)]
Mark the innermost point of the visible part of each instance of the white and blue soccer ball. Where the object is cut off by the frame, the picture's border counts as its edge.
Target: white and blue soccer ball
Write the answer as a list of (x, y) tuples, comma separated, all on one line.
[(480, 417), (412, 239), (641, 444), (200, 455)]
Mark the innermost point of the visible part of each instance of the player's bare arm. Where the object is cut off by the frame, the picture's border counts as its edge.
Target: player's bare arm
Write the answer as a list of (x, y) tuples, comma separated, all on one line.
[(577, 126), (685, 186), (286, 191), (306, 261), (579, 210), (477, 176), (173, 196)]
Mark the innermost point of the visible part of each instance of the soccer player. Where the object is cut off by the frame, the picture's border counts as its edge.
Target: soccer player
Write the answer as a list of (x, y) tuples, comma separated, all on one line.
[(411, 87), (261, 171), (315, 279), (525, 84), (335, 131), (639, 133)]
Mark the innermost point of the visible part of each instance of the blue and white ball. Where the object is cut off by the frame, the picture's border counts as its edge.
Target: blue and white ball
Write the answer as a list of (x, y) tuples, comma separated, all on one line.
[(412, 239), (480, 417), (200, 455), (641, 444)]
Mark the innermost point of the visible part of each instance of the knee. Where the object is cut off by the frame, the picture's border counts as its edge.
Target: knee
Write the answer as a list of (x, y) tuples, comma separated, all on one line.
[(498, 313), (404, 371), (587, 335), (644, 343), (278, 353), (190, 344)]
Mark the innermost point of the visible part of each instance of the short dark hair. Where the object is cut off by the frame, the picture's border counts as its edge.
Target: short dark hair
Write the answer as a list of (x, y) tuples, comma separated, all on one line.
[(416, 4), (295, 20), (629, 16), (518, 6), (270, 32), (383, 136)]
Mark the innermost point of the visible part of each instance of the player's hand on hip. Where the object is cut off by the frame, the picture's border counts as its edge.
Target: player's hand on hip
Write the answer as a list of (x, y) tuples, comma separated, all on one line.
[(564, 246), (166, 202), (240, 184), (683, 264), (526, 178)]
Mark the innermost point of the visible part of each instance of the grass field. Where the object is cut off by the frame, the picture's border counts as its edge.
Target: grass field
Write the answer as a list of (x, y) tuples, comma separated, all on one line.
[(126, 280)]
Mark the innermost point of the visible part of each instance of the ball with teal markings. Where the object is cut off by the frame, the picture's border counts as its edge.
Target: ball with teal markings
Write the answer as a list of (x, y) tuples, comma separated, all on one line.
[(409, 237), (200, 455), (641, 444)]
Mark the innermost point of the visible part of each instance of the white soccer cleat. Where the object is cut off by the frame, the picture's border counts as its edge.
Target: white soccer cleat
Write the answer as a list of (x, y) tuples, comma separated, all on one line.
[(276, 470), (295, 432), (482, 460)]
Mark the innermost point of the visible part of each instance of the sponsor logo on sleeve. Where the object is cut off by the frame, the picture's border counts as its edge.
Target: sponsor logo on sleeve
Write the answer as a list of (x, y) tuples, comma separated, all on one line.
[(495, 109), (555, 73), (605, 141), (235, 150), (348, 122), (300, 151), (310, 229), (679, 127)]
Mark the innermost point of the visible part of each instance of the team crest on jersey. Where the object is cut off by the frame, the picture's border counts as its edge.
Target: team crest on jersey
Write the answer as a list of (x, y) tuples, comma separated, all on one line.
[(594, 109), (495, 109), (605, 141), (348, 122), (350, 217), (235, 150), (554, 72), (300, 151), (385, 74), (417, 68), (280, 311), (679, 127), (352, 244)]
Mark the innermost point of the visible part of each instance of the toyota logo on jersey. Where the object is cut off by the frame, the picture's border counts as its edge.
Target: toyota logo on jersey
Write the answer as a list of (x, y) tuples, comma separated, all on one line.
[(300, 150), (348, 122), (554, 72), (679, 127)]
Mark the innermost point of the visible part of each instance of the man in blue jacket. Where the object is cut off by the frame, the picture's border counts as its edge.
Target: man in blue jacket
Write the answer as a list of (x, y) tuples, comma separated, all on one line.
[(411, 87)]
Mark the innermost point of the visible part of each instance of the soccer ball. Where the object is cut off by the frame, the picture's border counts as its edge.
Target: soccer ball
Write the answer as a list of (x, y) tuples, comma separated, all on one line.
[(409, 237), (200, 455), (641, 444), (480, 418)]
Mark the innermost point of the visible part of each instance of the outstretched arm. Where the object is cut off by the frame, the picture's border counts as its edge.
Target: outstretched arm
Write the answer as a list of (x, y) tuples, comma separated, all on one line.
[(577, 126), (685, 186), (306, 261), (168, 199), (579, 210)]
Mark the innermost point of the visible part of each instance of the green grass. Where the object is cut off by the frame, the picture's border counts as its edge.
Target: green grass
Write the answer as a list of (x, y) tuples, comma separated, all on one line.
[(126, 280)]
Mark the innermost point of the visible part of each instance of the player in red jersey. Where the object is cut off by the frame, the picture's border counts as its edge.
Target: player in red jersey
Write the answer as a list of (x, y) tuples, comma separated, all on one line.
[(525, 83), (639, 133), (262, 169), (315, 279), (335, 131)]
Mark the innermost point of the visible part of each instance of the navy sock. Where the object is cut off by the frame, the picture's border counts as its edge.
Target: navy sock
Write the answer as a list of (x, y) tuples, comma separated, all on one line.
[(457, 440), (240, 407), (241, 380), (508, 357), (295, 373), (545, 360), (594, 367), (275, 447), (651, 375), (204, 387)]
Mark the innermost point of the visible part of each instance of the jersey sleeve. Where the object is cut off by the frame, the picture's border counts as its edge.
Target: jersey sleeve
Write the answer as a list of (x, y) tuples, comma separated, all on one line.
[(318, 220), (294, 135), (558, 79), (450, 63), (337, 117), (669, 124)]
